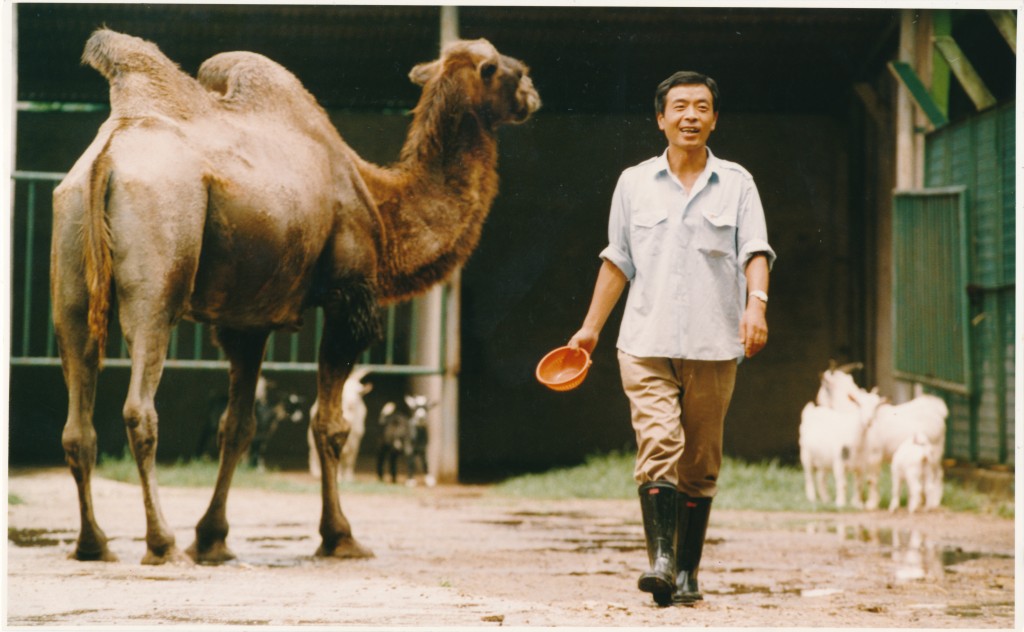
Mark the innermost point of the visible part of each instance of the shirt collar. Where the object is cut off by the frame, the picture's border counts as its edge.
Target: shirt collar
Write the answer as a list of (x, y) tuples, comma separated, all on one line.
[(710, 169)]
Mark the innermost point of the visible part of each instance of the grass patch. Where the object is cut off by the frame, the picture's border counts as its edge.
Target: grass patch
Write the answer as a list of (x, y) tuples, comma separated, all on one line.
[(762, 486), (600, 476), (14, 499)]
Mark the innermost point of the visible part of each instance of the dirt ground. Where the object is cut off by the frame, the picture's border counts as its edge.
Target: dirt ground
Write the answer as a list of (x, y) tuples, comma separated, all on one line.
[(461, 556)]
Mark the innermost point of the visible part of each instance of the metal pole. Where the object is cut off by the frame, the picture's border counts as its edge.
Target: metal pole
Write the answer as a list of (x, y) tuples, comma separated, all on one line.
[(438, 346), (6, 238), (906, 163)]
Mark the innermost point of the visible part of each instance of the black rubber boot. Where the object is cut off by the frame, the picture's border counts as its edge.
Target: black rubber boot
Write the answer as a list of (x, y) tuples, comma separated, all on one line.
[(658, 501), (693, 527)]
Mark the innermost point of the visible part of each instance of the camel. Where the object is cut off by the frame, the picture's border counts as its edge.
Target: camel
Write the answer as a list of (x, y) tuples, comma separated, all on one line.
[(230, 199)]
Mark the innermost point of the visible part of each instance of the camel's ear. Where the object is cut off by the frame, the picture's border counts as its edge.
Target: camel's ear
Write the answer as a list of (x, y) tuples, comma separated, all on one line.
[(421, 73)]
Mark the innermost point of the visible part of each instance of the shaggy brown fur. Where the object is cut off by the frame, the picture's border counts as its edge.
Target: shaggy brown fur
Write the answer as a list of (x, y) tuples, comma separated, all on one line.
[(230, 199)]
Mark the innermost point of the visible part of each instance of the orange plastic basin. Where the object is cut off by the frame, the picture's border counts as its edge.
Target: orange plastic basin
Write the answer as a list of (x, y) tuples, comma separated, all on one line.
[(563, 369)]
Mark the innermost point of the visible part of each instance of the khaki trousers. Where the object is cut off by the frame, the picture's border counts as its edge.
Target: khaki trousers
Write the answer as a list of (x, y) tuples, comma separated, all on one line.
[(678, 410)]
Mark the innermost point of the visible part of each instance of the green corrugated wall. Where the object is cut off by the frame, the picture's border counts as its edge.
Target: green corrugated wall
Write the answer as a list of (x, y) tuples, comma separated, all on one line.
[(979, 154)]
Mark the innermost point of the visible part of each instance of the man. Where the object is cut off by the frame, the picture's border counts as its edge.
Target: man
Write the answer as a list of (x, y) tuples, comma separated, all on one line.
[(687, 233)]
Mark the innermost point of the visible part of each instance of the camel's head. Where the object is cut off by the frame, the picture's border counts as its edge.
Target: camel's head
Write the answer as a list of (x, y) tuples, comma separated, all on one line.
[(495, 86)]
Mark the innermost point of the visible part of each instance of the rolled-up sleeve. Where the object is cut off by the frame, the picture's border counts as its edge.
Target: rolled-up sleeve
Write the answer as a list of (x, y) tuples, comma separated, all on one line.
[(751, 229), (618, 252)]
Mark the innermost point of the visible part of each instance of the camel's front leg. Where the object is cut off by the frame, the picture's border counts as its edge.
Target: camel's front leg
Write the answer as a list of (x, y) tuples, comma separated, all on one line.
[(237, 427), (340, 346)]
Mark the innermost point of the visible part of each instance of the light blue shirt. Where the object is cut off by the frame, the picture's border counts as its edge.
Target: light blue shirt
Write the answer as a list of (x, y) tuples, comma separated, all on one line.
[(685, 256)]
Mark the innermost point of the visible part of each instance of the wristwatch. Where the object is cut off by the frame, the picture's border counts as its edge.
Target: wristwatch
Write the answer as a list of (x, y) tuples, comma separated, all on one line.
[(759, 294)]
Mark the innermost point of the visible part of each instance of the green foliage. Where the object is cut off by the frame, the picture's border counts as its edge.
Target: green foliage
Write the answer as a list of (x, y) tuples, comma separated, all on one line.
[(14, 499)]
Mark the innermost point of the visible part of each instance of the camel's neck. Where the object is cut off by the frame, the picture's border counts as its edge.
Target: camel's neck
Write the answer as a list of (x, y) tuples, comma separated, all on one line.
[(433, 202)]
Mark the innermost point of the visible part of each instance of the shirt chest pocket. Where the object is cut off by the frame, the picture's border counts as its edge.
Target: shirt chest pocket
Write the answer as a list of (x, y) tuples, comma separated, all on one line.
[(647, 230), (716, 234)]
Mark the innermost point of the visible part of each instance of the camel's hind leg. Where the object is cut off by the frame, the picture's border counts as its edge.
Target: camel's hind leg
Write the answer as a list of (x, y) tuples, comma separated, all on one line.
[(147, 339), (156, 213), (80, 362), (244, 349)]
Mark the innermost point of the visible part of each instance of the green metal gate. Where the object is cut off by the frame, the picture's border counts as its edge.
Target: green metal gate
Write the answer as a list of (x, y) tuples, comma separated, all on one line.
[(931, 334), (955, 294), (190, 347)]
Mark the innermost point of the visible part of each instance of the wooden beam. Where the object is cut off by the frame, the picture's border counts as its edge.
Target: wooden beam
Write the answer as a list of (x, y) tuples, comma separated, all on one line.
[(965, 73), (906, 75), (872, 104), (1006, 22), (942, 24)]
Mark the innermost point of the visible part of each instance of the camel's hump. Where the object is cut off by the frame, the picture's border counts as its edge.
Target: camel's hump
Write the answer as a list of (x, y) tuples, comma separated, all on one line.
[(113, 53), (251, 82), (142, 79)]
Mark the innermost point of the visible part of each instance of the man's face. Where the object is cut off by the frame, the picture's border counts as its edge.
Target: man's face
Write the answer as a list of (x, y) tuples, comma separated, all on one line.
[(689, 117)]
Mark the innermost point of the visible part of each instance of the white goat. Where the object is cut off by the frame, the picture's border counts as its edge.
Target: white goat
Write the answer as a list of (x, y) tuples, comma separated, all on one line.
[(353, 409), (894, 424), (912, 462), (831, 438), (836, 386)]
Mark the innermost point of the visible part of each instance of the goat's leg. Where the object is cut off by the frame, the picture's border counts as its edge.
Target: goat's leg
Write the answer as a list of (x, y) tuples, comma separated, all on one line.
[(839, 474), (873, 470), (809, 486), (822, 485), (856, 497), (79, 360), (896, 474), (934, 487), (381, 455), (914, 490), (349, 455), (244, 350)]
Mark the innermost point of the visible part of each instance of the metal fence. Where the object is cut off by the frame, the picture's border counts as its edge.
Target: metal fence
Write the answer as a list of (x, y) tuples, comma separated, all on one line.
[(404, 350)]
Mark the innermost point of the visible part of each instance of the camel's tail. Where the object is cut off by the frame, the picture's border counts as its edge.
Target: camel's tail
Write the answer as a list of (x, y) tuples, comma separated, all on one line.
[(98, 260)]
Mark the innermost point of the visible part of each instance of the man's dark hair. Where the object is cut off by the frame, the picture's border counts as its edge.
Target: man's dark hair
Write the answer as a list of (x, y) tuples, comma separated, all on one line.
[(685, 78)]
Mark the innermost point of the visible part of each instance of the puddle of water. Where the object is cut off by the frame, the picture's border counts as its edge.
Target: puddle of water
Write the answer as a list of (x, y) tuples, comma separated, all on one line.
[(753, 589), (37, 537), (615, 543), (819, 592), (914, 554), (499, 523), (573, 515)]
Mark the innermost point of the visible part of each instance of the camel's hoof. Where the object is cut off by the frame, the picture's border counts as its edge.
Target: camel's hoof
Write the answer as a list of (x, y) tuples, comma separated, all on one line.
[(103, 555), (216, 553), (172, 555), (346, 548)]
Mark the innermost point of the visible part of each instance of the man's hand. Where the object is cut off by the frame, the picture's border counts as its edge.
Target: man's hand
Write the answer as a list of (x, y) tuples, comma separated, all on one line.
[(753, 327), (585, 339)]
